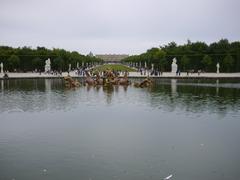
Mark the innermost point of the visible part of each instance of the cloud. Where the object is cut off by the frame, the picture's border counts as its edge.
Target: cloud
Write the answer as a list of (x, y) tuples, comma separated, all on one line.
[(116, 26)]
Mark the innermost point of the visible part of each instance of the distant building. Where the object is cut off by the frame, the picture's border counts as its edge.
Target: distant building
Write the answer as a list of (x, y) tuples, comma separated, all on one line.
[(112, 58), (90, 54)]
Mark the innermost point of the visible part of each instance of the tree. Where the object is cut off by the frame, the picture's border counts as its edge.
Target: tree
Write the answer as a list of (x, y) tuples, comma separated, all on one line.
[(185, 62), (228, 62), (199, 47), (162, 63), (58, 63), (161, 57), (13, 62), (237, 68), (154, 56), (207, 61), (26, 55), (37, 63), (31, 59), (172, 44)]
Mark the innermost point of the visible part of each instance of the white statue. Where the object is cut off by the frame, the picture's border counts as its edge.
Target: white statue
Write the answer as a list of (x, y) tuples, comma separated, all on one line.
[(48, 65), (174, 65), (218, 66), (1, 65)]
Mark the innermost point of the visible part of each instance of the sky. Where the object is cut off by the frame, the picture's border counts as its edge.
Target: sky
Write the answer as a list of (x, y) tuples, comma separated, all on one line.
[(116, 26)]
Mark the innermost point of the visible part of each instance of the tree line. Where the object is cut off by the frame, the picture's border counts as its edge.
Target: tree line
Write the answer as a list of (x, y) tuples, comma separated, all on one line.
[(192, 56), (27, 59)]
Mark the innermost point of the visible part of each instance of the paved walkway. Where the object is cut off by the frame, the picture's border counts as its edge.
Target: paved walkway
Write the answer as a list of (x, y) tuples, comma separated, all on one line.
[(131, 74)]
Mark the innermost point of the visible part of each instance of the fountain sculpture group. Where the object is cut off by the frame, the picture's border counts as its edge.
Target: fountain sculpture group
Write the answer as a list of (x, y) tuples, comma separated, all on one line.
[(109, 78)]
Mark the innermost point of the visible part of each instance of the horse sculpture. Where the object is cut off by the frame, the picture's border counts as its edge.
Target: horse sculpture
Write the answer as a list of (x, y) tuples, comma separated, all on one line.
[(111, 78), (70, 82), (89, 80), (145, 83), (98, 80), (124, 80)]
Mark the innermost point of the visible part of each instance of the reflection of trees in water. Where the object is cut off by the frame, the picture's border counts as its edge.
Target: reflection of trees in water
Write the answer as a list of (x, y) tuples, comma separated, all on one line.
[(50, 94), (2, 85), (31, 84), (196, 98), (35, 95)]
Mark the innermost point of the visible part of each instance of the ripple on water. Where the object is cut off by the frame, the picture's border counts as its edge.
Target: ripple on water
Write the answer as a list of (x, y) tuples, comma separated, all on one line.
[(122, 133)]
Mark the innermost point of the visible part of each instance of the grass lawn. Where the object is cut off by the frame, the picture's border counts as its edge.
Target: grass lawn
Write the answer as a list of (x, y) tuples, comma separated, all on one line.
[(115, 67)]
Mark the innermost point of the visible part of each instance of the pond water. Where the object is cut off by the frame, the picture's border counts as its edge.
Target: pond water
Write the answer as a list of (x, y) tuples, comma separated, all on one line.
[(185, 128)]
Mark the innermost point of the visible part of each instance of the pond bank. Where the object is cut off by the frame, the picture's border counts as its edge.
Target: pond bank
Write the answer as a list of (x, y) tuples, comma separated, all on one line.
[(131, 75)]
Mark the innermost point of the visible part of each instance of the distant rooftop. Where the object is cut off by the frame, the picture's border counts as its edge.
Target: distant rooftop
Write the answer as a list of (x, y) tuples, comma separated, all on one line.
[(112, 57)]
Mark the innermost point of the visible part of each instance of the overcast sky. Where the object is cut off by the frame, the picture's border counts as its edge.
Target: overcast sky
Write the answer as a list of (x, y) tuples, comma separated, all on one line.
[(116, 26)]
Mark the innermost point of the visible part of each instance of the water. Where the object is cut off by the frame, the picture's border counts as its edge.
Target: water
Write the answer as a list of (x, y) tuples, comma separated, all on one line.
[(186, 128)]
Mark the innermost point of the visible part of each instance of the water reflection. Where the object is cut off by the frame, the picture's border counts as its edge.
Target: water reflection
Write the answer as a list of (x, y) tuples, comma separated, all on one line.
[(196, 96), (48, 84), (2, 85), (50, 132), (108, 92), (174, 86), (50, 94)]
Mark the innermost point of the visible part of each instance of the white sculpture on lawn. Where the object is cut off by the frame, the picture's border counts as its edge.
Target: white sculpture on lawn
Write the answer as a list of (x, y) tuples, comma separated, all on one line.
[(218, 66), (174, 65), (48, 65), (1, 67)]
